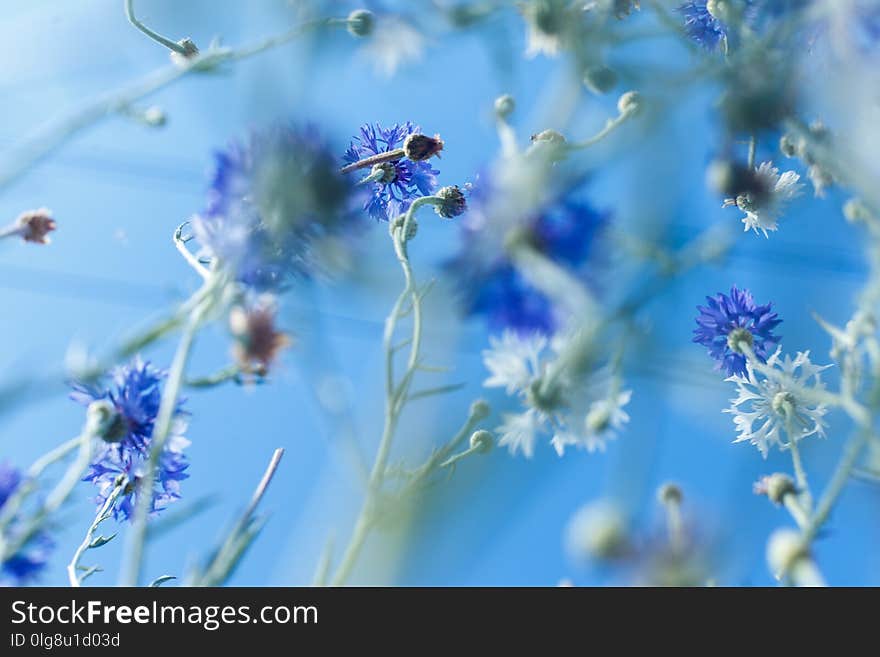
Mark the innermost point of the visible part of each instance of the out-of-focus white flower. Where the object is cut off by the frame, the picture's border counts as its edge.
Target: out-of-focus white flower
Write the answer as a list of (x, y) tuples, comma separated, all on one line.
[(519, 431), (764, 206), (584, 414), (597, 530), (393, 42), (603, 420), (767, 406)]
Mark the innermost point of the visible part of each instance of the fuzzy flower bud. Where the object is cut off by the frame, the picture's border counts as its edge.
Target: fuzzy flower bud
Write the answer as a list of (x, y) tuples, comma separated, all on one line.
[(597, 531), (504, 106), (787, 555), (386, 172), (482, 441), (479, 409), (788, 145), (775, 486), (856, 211), (190, 51), (452, 204), (257, 343), (551, 137), (669, 493), (155, 116), (422, 147), (102, 420), (629, 103), (360, 23), (34, 226)]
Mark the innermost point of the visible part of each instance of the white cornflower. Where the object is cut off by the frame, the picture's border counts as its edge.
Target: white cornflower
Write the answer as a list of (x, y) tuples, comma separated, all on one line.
[(546, 20), (768, 405), (763, 208), (583, 414), (591, 431), (519, 431), (513, 361)]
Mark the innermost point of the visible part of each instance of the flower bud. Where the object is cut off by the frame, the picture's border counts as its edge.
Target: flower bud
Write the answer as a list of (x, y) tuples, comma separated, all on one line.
[(257, 343), (788, 145), (479, 410), (155, 116), (719, 9), (387, 170), (784, 549), (482, 441), (597, 531), (551, 137), (856, 211), (600, 79), (775, 486), (629, 103), (103, 421), (190, 51), (421, 147), (35, 225), (360, 23), (669, 493), (453, 202), (504, 106)]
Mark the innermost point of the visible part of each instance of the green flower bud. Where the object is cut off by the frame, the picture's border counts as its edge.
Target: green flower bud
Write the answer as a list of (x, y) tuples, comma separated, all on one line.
[(360, 23)]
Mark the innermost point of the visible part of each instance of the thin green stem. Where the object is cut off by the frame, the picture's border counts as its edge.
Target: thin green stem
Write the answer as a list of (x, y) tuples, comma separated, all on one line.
[(395, 393), (800, 474), (610, 126), (753, 147), (102, 515), (35, 147), (155, 36)]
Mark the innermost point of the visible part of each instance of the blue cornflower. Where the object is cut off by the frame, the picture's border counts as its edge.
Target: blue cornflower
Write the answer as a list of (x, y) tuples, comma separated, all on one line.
[(135, 393), (565, 230), (701, 26), (404, 179), (277, 207), (25, 565), (728, 320)]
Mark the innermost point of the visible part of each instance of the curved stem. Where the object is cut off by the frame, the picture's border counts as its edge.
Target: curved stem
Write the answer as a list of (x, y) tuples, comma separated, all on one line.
[(102, 515), (155, 36), (395, 393), (38, 145)]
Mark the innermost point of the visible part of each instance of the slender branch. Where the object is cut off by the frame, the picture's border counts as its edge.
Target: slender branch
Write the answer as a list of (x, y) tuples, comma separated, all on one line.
[(242, 533), (35, 147), (102, 515), (155, 36), (395, 393)]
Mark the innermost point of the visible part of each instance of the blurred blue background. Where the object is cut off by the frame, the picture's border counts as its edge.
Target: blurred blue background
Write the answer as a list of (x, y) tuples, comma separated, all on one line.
[(119, 189)]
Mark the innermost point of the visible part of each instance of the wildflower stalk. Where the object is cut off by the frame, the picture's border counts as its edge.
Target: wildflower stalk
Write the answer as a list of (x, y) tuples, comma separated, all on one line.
[(103, 514), (227, 557), (800, 474), (152, 34), (36, 146), (610, 126), (161, 430), (396, 393)]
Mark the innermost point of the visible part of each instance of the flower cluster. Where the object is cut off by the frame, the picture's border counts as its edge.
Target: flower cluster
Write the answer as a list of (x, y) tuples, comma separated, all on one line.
[(277, 208), (135, 393), (26, 563), (395, 184), (585, 415), (564, 229), (726, 321), (702, 26)]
